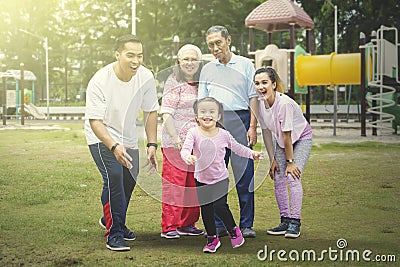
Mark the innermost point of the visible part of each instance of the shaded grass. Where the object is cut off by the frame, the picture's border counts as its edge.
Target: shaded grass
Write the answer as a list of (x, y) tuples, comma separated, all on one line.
[(50, 204)]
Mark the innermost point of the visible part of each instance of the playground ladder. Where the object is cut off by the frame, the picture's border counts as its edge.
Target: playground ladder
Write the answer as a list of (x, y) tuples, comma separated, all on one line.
[(384, 63)]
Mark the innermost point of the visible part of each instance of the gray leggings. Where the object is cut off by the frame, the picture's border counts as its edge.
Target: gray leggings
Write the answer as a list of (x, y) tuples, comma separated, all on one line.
[(291, 208)]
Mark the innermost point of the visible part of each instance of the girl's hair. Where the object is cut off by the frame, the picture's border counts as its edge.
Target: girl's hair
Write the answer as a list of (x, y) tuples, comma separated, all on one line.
[(273, 76), (211, 99), (177, 71)]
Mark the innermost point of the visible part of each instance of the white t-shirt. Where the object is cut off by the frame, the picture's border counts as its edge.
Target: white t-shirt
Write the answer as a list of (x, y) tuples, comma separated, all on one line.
[(117, 103)]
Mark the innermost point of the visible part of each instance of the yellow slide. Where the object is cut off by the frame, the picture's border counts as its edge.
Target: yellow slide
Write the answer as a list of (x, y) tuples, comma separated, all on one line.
[(333, 69)]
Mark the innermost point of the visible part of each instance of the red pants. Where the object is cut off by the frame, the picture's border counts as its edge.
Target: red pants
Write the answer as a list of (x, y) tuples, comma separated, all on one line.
[(180, 205)]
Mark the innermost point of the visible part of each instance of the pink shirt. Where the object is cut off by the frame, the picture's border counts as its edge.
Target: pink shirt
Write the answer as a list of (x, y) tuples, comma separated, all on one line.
[(178, 99), (210, 166), (287, 116)]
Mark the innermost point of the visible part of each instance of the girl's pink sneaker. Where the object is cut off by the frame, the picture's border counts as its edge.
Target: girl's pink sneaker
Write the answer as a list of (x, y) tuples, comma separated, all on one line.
[(212, 245), (236, 237)]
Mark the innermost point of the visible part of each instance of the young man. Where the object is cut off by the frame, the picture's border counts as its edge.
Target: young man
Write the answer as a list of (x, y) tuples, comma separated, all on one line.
[(114, 96), (229, 80)]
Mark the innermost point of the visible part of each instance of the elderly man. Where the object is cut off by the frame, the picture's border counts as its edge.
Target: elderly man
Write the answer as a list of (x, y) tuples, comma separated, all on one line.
[(229, 80)]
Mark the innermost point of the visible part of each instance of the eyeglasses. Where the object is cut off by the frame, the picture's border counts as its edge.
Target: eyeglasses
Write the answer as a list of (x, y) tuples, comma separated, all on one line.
[(187, 60)]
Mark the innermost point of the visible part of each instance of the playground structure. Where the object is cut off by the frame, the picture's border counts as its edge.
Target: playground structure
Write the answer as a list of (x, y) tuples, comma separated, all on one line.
[(16, 98), (381, 89), (380, 74), (374, 68)]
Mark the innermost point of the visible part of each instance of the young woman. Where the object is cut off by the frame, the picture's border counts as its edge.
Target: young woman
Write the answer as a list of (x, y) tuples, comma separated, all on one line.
[(293, 137)]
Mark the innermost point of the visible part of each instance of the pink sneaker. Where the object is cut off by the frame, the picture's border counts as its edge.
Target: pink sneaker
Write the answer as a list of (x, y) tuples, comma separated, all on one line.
[(236, 237), (212, 244)]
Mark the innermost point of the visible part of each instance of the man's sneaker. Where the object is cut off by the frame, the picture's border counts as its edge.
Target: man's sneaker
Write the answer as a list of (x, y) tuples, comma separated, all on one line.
[(281, 228), (190, 230), (128, 234), (236, 237), (117, 244), (170, 234), (102, 222), (212, 245), (293, 230), (248, 232), (221, 231)]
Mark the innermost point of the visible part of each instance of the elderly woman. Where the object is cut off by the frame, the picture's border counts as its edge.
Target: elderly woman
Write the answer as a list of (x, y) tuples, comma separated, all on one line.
[(180, 208)]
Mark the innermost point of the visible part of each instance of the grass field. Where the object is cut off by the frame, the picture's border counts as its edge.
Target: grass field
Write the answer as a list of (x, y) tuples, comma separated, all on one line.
[(50, 205)]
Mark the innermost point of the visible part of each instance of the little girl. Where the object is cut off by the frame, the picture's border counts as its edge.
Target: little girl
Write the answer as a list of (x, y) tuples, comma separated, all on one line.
[(208, 143)]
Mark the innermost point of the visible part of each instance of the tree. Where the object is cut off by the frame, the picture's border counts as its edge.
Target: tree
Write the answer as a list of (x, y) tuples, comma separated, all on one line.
[(353, 17), (81, 33), (20, 47)]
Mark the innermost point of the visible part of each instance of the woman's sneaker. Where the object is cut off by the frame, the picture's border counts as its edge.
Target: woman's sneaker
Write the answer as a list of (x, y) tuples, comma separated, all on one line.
[(281, 228), (212, 245), (170, 234), (236, 237), (190, 230), (293, 230)]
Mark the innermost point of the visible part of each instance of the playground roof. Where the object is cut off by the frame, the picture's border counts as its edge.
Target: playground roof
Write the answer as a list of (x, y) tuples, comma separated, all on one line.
[(16, 74), (277, 15)]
